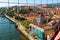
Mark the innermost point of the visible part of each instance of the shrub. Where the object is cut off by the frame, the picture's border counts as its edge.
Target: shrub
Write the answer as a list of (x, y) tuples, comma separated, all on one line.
[(19, 18)]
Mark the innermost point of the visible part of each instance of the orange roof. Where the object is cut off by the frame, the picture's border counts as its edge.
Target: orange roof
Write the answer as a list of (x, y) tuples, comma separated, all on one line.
[(54, 18), (41, 25), (49, 32), (47, 26)]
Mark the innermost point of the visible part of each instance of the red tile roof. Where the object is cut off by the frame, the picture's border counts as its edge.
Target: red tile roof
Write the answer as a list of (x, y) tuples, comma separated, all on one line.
[(41, 25)]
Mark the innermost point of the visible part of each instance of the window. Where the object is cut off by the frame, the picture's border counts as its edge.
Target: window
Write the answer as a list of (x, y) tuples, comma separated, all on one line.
[(18, 8)]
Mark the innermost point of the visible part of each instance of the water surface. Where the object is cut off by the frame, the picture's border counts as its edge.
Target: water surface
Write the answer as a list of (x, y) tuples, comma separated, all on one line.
[(8, 30)]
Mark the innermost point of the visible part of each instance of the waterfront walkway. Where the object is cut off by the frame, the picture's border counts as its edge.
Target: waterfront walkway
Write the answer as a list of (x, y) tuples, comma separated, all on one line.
[(22, 29)]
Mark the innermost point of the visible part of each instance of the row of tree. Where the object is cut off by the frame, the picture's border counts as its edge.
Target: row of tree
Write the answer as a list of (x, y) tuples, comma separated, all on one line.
[(22, 10)]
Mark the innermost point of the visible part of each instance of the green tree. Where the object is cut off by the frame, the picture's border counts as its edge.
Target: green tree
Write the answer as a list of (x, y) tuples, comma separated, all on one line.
[(24, 11)]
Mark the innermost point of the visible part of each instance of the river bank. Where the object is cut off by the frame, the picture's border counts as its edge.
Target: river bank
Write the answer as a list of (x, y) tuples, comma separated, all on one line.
[(21, 34), (21, 28), (8, 30)]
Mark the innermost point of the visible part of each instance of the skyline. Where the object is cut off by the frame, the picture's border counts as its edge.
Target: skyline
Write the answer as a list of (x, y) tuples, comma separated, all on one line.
[(24, 2)]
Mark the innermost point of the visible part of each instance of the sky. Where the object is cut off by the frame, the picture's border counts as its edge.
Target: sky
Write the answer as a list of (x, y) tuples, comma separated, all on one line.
[(24, 2)]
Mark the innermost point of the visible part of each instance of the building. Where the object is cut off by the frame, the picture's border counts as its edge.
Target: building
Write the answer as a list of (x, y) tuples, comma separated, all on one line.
[(44, 32), (30, 17)]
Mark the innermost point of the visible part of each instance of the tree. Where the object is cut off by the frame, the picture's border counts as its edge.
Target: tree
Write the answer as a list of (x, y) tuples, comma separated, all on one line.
[(25, 11), (19, 18), (10, 12)]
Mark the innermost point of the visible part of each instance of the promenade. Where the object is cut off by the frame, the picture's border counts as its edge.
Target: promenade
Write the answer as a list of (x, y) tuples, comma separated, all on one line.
[(21, 28)]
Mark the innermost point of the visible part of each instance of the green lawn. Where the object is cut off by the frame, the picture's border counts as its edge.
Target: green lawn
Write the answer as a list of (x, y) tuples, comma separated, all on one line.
[(25, 24)]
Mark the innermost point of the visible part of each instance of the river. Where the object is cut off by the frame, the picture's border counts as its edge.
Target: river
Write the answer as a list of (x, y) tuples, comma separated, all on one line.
[(8, 30)]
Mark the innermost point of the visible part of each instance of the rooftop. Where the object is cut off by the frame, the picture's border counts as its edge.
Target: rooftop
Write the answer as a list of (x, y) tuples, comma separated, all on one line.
[(42, 26), (49, 32)]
